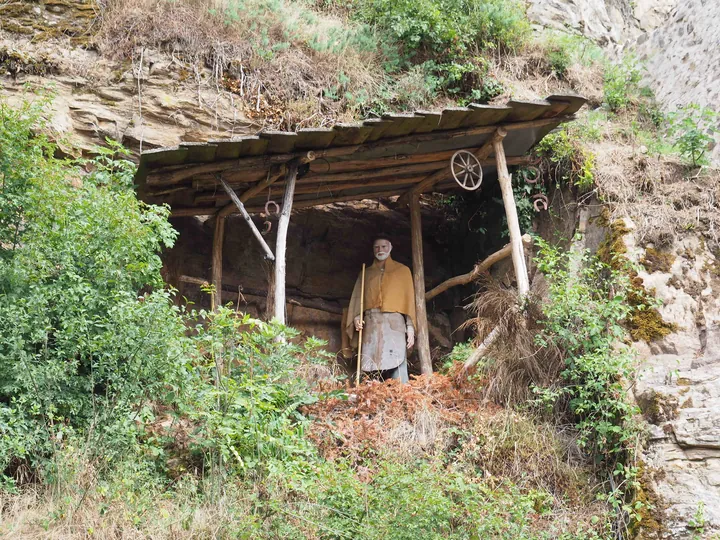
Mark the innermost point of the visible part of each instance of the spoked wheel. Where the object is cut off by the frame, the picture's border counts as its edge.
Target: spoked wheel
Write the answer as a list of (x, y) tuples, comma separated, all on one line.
[(466, 170)]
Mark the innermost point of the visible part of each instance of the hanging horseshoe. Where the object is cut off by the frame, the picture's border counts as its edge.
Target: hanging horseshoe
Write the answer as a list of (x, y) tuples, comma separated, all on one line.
[(540, 200), (268, 213), (534, 177), (268, 227), (466, 170)]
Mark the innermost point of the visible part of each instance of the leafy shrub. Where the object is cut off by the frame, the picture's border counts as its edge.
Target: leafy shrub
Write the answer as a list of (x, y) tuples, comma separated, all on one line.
[(621, 85), (693, 128), (250, 417), (447, 28), (83, 350)]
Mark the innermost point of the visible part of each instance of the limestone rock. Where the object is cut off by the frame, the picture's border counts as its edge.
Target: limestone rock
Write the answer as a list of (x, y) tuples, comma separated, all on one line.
[(678, 389)]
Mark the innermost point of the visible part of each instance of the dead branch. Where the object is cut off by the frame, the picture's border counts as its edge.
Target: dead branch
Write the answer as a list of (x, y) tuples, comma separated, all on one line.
[(480, 267)]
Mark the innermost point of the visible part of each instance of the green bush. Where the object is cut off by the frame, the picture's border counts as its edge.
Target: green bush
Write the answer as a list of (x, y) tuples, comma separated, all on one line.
[(568, 159), (621, 85), (83, 348), (692, 129), (445, 29)]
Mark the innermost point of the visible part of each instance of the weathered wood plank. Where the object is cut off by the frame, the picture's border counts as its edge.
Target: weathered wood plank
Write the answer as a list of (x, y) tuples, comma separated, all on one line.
[(227, 148), (314, 138), (279, 142), (485, 115), (431, 121), (349, 134), (199, 152), (453, 117), (403, 124), (525, 111), (575, 102), (252, 145), (378, 126)]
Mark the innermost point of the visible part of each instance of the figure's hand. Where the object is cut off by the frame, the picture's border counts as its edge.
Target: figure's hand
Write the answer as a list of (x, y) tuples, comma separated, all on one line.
[(358, 323), (410, 340)]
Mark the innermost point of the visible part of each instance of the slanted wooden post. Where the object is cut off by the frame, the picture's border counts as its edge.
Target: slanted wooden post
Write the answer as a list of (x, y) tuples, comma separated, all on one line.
[(217, 249), (422, 338), (241, 207), (281, 241), (518, 255)]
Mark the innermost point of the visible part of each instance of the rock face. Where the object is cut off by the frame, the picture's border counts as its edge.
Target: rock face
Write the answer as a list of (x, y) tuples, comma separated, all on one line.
[(678, 389), (151, 102), (681, 56), (608, 22)]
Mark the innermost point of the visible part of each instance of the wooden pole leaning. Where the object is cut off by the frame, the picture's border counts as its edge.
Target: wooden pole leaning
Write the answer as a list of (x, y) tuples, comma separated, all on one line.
[(281, 241), (423, 337), (241, 207), (362, 324), (518, 254)]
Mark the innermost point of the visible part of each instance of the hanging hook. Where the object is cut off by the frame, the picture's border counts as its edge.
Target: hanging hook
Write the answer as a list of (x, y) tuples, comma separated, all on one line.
[(540, 200)]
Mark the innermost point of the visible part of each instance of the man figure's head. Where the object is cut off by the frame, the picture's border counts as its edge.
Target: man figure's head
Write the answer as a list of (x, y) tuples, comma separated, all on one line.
[(381, 248)]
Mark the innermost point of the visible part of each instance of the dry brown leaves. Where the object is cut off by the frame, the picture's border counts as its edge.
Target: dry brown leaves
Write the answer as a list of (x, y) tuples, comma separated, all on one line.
[(409, 418)]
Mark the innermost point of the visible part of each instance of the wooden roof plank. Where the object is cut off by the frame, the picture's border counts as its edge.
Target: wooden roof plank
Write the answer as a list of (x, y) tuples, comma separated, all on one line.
[(227, 148), (162, 157), (453, 117), (431, 121), (351, 134), (524, 111), (279, 142), (485, 115), (378, 126), (403, 124), (199, 152), (252, 145), (314, 138), (575, 102)]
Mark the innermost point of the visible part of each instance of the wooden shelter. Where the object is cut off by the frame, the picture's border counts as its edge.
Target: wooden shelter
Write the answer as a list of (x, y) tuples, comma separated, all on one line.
[(401, 155)]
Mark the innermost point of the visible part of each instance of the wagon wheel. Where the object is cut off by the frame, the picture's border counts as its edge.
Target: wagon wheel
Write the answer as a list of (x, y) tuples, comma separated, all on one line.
[(466, 170)]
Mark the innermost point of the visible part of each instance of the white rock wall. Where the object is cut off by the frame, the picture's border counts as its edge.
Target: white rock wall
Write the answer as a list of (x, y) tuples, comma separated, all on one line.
[(682, 56), (678, 389)]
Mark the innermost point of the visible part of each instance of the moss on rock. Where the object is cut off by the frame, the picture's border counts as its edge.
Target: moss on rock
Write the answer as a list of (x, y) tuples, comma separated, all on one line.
[(657, 261), (645, 323)]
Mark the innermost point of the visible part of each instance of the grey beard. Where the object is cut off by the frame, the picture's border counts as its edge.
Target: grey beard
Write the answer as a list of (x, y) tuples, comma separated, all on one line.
[(382, 256)]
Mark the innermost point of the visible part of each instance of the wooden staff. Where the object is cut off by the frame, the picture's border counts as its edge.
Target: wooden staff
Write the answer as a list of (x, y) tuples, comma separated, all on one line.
[(362, 323)]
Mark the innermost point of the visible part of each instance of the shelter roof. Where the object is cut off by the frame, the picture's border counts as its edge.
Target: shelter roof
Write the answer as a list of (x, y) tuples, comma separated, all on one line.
[(379, 157)]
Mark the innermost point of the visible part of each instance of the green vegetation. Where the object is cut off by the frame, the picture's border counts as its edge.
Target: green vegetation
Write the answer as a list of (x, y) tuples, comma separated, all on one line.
[(568, 160), (621, 85), (587, 302), (121, 411), (692, 129)]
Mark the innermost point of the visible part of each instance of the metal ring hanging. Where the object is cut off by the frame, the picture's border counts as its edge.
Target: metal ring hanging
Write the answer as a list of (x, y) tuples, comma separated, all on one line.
[(466, 170)]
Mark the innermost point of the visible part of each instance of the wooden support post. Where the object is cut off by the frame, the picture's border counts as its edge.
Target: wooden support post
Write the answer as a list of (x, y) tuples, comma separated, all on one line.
[(422, 338), (518, 255), (217, 258), (240, 206), (280, 245)]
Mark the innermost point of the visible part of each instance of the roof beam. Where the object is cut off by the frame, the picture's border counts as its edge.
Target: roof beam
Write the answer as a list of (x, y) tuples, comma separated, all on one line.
[(178, 174)]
